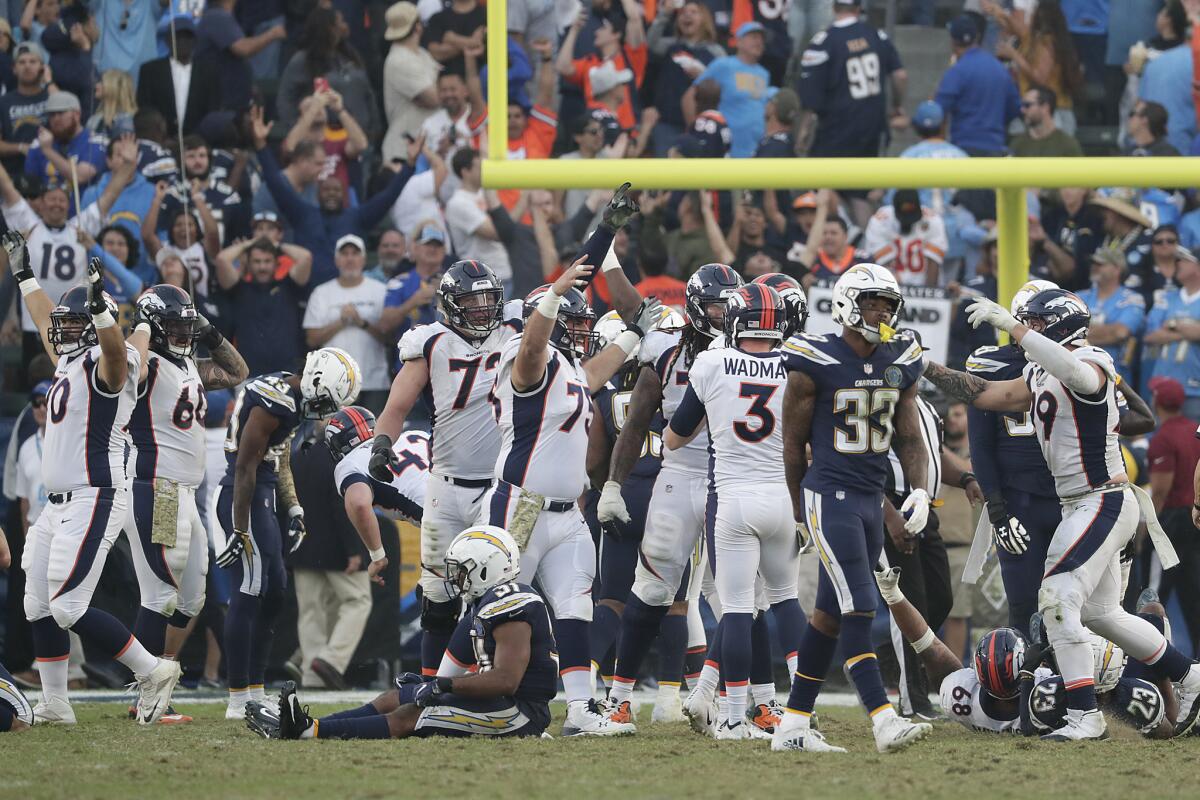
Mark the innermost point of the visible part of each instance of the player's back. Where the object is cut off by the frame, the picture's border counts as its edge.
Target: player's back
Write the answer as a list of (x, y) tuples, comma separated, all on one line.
[(856, 398), (85, 438), (404, 495), (1077, 434), (273, 394), (742, 393), (517, 602), (662, 351), (843, 76), (965, 701), (167, 424), (612, 404)]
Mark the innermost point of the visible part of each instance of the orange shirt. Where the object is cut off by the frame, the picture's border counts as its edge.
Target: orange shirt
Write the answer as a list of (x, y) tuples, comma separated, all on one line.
[(633, 58), (536, 142), (671, 291)]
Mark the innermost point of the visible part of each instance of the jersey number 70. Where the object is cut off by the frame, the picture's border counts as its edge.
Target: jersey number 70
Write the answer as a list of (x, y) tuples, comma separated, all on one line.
[(868, 418)]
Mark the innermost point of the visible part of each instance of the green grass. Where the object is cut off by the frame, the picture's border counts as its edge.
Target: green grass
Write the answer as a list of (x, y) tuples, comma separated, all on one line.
[(108, 756)]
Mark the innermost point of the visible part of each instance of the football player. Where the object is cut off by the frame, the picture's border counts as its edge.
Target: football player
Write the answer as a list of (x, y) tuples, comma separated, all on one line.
[(1070, 388), (736, 391), (83, 470), (544, 383), (348, 434), (504, 635), (166, 537), (846, 394), (265, 414), (16, 714)]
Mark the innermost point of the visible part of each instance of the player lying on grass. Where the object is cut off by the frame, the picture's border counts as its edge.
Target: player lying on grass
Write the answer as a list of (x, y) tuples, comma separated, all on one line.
[(505, 634)]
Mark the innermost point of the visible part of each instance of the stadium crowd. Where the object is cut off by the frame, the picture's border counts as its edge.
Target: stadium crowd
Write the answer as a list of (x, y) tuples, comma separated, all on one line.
[(307, 169)]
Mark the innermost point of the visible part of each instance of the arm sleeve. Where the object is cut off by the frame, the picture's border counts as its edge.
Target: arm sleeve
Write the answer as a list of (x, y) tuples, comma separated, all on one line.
[(291, 204), (596, 247), (687, 417), (130, 283), (1076, 373)]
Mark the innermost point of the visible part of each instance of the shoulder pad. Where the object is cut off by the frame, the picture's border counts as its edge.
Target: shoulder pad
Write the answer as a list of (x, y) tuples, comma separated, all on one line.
[(985, 359), (655, 344), (412, 343), (1098, 356), (820, 38), (912, 353), (510, 606), (809, 347), (509, 351), (273, 389), (514, 312)]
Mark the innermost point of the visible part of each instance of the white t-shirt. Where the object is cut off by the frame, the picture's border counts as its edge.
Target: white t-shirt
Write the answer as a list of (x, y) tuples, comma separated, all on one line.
[(465, 213), (417, 202), (325, 305), (29, 476), (406, 73)]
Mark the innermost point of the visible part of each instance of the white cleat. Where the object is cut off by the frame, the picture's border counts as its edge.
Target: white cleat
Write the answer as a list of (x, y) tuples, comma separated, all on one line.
[(587, 720), (154, 691), (735, 732), (1081, 725), (1189, 702), (792, 734), (700, 708), (668, 706), (55, 712), (236, 710), (895, 733)]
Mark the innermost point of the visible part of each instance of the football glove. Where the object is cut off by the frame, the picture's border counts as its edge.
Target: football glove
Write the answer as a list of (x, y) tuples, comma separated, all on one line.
[(646, 317), (986, 311), (95, 288), (1007, 531), (295, 530), (405, 678), (429, 693), (383, 458), (621, 208), (234, 547), (611, 505), (804, 537), (915, 511), (889, 584), (18, 255), (208, 335)]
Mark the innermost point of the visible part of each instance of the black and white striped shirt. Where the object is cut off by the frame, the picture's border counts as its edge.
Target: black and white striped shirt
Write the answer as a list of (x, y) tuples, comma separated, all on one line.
[(931, 436)]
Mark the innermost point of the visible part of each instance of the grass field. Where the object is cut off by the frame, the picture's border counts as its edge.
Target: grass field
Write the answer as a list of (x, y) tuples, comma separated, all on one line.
[(108, 756)]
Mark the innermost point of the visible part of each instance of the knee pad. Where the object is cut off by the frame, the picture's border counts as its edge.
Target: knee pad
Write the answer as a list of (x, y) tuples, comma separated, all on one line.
[(662, 535), (578, 607), (67, 611), (439, 617), (1060, 617), (651, 589), (35, 609)]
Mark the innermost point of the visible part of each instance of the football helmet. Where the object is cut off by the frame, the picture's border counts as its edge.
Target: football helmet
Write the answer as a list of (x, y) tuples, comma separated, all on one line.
[(174, 323), (793, 297), (71, 328), (709, 285), (609, 326), (1110, 663), (1028, 290), (480, 558), (858, 283), (347, 429), (755, 311), (331, 380), (471, 298), (1065, 317), (997, 662), (579, 339)]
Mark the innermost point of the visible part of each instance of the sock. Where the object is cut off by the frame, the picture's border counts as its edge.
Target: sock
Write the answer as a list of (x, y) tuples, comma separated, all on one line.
[(815, 656), (672, 642), (607, 667), (862, 664), (668, 693), (763, 693), (602, 632), (1081, 694), (1076, 663), (575, 666), (262, 633), (760, 651), (789, 625), (150, 628), (257, 692), (693, 662), (368, 710), (735, 635), (374, 727), (722, 707), (433, 646), (52, 647), (736, 694), (106, 631), (1170, 664), (639, 626), (239, 622), (239, 697)]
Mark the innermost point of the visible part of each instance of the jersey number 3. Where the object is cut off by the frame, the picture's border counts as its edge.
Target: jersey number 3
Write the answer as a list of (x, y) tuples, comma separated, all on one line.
[(760, 395)]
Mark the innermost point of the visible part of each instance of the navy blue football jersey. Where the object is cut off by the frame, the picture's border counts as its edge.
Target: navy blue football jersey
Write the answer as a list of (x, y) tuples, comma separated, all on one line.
[(613, 405), (156, 163), (856, 400), (709, 137), (273, 394), (1135, 702), (474, 641), (843, 79), (1005, 438)]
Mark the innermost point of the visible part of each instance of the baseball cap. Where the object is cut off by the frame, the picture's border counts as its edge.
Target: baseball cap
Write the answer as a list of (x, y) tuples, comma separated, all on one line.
[(40, 390), (1168, 392), (431, 233), (964, 30), (747, 28), (350, 238), (62, 101), (607, 77), (907, 205), (32, 48), (928, 116), (806, 200), (266, 216)]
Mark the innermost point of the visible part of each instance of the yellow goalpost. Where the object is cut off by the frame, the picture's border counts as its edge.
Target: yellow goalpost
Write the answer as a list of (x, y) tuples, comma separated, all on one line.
[(1009, 177)]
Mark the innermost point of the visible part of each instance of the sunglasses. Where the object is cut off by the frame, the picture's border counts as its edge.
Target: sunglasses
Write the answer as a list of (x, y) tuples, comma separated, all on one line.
[(1137, 113), (38, 402), (1028, 104), (1166, 241), (593, 131)]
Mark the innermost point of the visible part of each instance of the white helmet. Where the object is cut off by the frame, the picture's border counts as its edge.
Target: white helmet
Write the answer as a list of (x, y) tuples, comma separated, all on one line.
[(331, 381), (1110, 663), (609, 326), (480, 558), (1028, 290), (858, 283)]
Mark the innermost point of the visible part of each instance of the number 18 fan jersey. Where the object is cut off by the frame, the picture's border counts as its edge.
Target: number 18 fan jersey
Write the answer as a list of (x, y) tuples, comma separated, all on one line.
[(56, 257), (167, 424), (402, 497)]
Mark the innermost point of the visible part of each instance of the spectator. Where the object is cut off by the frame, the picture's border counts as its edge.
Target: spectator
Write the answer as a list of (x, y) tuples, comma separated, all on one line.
[(305, 166), (681, 57), (325, 121), (258, 17), (835, 254), (220, 40), (459, 121), (391, 257), (333, 592), (118, 250), (49, 159), (748, 234), (30, 489), (1167, 80), (619, 59), (709, 135), (1042, 138), (796, 231), (345, 312), (23, 111), (977, 92), (327, 61), (655, 282), (471, 215), (410, 76), (929, 122), (908, 239), (265, 310), (129, 210), (1164, 250), (743, 81), (1126, 229), (588, 135), (1147, 127), (1172, 457), (842, 84), (1170, 25), (690, 244), (1087, 20), (181, 88), (419, 199), (411, 297), (318, 227), (1173, 327), (448, 31), (127, 33), (531, 20), (779, 116), (114, 114), (8, 78), (69, 41), (191, 232), (1118, 312), (1074, 229), (532, 129), (37, 16), (203, 173), (1044, 56)]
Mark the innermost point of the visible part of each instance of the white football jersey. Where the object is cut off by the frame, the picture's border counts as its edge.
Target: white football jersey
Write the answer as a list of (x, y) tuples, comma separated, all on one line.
[(466, 440), (658, 351), (905, 254), (56, 257), (167, 424), (403, 496), (544, 431), (965, 701), (196, 261), (85, 427), (742, 395), (1078, 435)]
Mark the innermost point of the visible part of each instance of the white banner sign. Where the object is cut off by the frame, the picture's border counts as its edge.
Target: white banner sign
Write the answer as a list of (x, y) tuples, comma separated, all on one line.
[(927, 311)]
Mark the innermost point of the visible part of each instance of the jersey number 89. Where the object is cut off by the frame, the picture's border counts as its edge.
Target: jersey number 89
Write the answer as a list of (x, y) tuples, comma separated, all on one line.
[(868, 415)]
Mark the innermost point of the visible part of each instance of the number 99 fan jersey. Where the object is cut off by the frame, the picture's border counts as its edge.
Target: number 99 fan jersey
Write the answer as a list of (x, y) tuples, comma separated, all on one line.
[(167, 424)]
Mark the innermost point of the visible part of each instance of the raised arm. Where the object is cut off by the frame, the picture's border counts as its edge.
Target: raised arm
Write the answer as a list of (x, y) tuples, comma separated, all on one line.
[(716, 242), (529, 366), (113, 366), (211, 237), (225, 367), (799, 401), (939, 660), (150, 223), (228, 273), (126, 152), (302, 261), (603, 366)]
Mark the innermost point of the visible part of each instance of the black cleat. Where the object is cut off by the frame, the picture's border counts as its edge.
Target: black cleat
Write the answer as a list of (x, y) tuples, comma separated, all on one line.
[(293, 719), (262, 720)]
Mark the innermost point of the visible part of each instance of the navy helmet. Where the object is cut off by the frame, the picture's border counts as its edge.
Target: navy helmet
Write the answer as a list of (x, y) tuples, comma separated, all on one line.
[(347, 429), (471, 298), (71, 328), (174, 322), (793, 297), (711, 284), (1064, 316), (580, 339), (997, 662), (755, 311)]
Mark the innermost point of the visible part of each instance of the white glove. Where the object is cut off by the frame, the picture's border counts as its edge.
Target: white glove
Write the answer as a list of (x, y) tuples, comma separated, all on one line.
[(611, 505), (889, 584), (1011, 536), (804, 537), (915, 511), (984, 310)]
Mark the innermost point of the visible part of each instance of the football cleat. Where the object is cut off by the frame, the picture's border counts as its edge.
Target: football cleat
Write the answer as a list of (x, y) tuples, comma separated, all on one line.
[(895, 733), (154, 691), (236, 709), (668, 705), (294, 719), (735, 732), (260, 720), (1080, 725), (700, 708), (1189, 702), (765, 716), (55, 712), (792, 734), (170, 717), (586, 720), (620, 714)]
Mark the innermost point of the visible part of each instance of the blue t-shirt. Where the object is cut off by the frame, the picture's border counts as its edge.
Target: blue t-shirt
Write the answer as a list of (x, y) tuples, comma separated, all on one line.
[(1179, 360), (87, 145), (931, 148), (981, 98), (1168, 80), (1126, 307), (131, 207), (215, 34), (1189, 229), (743, 99), (1086, 16), (399, 289)]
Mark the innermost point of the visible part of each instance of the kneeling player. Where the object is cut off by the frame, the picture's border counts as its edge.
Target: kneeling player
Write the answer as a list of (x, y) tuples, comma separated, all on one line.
[(505, 633)]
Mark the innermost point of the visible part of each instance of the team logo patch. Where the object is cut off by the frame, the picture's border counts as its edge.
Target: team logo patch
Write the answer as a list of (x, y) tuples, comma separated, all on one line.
[(892, 376)]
